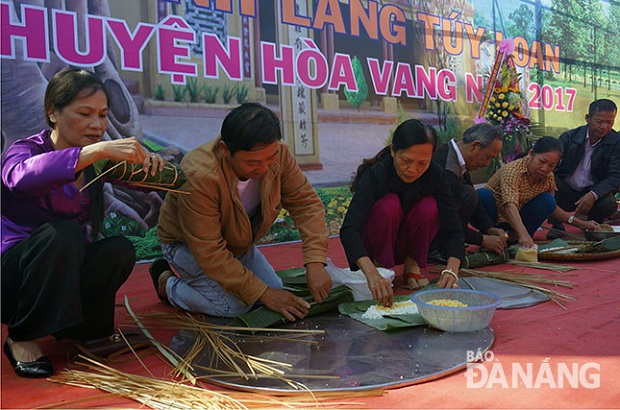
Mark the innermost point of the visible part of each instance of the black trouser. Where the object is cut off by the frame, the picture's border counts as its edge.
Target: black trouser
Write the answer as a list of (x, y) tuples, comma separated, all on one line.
[(566, 197), (54, 283)]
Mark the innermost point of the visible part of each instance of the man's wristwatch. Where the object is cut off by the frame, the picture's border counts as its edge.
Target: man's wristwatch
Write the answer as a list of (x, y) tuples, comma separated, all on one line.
[(570, 219)]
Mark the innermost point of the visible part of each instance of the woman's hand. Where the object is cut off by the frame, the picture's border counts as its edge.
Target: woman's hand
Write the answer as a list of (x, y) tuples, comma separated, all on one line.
[(153, 161), (124, 149), (526, 241), (381, 288), (514, 219), (449, 278)]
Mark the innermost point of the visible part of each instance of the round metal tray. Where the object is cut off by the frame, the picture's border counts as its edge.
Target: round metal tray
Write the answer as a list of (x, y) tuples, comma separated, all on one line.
[(348, 356)]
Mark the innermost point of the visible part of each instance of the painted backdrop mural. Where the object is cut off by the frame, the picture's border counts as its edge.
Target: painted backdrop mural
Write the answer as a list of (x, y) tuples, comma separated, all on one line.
[(339, 74)]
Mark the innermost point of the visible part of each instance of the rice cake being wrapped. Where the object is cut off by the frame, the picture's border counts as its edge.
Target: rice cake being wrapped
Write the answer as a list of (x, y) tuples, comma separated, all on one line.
[(527, 254)]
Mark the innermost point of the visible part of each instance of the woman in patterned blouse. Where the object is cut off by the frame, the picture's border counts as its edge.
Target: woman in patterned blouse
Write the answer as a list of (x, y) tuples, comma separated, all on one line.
[(520, 195)]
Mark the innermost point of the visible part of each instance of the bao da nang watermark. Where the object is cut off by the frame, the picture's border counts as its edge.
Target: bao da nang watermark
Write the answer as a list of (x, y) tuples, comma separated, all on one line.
[(485, 371)]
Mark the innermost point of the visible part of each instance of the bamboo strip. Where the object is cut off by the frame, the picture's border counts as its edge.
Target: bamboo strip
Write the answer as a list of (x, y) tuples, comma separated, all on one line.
[(528, 280), (164, 394), (542, 265), (92, 181), (225, 351), (162, 350)]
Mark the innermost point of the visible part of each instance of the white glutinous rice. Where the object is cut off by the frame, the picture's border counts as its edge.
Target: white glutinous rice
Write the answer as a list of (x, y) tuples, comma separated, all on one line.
[(399, 308)]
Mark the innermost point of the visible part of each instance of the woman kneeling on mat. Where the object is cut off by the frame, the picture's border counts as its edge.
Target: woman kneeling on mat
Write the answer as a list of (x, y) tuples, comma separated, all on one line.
[(519, 196), (396, 211)]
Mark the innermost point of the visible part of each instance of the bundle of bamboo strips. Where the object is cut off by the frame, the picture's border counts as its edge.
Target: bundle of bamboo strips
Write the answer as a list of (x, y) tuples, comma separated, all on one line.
[(531, 281), (170, 394), (164, 394), (541, 265), (224, 351)]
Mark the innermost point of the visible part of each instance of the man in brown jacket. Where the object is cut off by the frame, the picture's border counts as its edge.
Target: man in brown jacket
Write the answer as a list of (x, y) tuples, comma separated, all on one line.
[(238, 183)]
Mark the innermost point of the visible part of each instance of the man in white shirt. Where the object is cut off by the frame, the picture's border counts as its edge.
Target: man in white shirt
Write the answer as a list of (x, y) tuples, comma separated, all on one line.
[(481, 143)]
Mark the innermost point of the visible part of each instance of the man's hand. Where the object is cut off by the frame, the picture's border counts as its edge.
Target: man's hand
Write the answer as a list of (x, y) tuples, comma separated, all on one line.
[(319, 281), (585, 203), (588, 225), (494, 243), (285, 303), (499, 232)]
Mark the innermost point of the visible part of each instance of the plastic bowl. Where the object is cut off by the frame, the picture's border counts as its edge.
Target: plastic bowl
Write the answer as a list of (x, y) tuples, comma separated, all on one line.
[(477, 315)]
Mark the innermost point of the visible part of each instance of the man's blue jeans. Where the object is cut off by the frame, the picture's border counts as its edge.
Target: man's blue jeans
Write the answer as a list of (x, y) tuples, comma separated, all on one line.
[(195, 291), (533, 213)]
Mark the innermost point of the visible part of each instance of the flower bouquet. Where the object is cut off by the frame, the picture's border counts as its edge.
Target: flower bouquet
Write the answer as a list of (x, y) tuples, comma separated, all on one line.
[(503, 104)]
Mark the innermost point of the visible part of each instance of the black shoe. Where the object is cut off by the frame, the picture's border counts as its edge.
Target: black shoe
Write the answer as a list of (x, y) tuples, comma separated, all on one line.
[(40, 368), (557, 231), (155, 270)]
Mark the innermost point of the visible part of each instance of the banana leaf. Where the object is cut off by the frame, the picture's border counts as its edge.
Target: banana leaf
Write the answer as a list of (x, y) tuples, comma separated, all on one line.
[(605, 245), (171, 178), (294, 280), (263, 317), (293, 276), (554, 244), (355, 310)]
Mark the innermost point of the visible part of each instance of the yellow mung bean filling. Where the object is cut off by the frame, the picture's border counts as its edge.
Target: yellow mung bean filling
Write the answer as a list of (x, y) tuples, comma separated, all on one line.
[(447, 302)]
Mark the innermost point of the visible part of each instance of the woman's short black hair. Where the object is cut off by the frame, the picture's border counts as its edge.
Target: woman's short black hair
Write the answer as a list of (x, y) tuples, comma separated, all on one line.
[(407, 134), (67, 85), (547, 144), (413, 132)]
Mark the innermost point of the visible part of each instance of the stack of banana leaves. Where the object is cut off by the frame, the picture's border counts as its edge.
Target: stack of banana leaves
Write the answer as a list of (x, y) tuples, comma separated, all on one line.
[(340, 298), (605, 245)]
